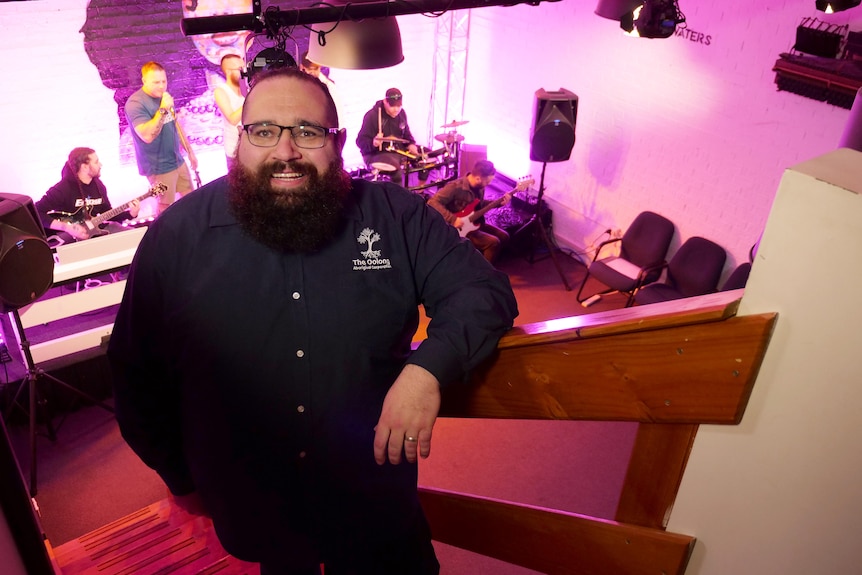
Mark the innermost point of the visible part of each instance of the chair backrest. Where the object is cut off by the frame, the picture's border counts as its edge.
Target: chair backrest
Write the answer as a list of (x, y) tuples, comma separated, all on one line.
[(738, 278), (696, 267), (647, 240)]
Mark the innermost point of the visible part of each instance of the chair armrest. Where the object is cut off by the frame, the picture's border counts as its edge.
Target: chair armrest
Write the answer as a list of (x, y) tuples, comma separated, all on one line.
[(648, 270), (603, 244)]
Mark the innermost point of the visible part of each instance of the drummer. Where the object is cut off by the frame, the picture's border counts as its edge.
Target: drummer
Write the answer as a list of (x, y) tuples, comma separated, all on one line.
[(385, 130)]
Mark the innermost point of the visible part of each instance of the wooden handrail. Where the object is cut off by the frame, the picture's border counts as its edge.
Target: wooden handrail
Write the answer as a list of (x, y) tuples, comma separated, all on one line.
[(678, 364), (669, 367)]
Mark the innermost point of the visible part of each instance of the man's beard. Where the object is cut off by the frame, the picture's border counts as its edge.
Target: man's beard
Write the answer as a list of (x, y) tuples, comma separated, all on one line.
[(301, 220)]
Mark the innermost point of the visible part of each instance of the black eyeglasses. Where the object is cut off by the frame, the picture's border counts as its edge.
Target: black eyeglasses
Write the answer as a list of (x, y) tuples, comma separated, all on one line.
[(266, 135)]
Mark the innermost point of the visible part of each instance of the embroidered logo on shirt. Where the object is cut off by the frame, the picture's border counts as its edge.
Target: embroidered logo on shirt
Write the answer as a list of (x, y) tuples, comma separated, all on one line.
[(372, 260)]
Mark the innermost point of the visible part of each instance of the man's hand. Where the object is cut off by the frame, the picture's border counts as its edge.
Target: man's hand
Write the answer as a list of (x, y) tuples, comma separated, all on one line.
[(458, 223), (167, 102), (413, 149), (409, 411), (77, 231)]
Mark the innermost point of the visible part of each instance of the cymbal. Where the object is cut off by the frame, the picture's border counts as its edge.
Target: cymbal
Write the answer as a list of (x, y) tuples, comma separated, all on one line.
[(383, 167), (449, 138), (394, 140), (455, 124)]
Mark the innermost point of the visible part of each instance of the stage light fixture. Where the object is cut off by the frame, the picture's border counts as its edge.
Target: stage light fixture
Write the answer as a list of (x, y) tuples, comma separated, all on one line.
[(658, 19), (267, 59), (380, 52), (644, 18), (831, 6)]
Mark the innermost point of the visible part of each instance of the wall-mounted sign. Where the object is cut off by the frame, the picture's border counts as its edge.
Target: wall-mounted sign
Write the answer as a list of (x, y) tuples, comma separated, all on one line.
[(693, 36)]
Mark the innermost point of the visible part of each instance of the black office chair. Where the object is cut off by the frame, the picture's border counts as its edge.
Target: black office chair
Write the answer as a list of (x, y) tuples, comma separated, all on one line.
[(693, 270), (737, 278), (642, 256)]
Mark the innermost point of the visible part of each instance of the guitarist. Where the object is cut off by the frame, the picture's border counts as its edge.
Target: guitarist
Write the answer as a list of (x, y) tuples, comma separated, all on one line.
[(458, 194), (79, 194)]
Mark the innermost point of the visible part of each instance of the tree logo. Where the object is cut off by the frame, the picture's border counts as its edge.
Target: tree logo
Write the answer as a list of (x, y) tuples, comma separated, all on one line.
[(369, 236), (372, 260)]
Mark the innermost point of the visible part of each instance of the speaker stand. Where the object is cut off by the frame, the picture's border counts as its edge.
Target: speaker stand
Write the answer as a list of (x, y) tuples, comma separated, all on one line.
[(535, 226), (31, 380)]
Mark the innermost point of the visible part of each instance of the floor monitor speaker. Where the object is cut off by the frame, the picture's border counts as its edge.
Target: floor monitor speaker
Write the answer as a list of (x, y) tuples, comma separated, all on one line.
[(554, 118), (26, 260)]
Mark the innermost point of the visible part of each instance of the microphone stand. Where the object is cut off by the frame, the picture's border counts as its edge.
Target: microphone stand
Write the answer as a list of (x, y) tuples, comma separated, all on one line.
[(535, 221)]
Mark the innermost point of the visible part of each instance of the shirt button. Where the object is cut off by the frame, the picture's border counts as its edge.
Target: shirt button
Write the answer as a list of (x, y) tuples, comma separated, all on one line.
[(296, 295), (301, 409), (300, 353)]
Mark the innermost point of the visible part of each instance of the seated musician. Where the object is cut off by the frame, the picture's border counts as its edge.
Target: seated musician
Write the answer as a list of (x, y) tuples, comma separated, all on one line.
[(456, 197), (386, 119), (79, 196)]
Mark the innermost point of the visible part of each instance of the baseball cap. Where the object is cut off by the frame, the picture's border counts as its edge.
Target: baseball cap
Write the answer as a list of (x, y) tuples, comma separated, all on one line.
[(393, 96)]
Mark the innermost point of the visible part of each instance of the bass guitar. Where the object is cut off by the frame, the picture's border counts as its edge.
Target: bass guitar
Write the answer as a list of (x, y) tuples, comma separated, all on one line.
[(469, 214), (92, 223)]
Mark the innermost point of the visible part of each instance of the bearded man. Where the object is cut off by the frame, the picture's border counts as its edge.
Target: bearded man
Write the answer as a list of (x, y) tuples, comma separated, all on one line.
[(262, 352)]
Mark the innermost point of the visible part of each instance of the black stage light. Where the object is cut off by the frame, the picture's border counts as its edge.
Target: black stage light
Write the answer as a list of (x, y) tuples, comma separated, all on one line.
[(267, 59), (830, 6), (658, 19), (26, 260)]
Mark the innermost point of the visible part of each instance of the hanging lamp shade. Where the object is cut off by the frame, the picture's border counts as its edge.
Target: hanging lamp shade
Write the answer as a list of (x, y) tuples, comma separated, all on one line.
[(367, 45)]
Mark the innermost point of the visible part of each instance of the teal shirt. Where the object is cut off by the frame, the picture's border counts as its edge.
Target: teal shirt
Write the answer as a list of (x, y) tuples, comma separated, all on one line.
[(162, 155)]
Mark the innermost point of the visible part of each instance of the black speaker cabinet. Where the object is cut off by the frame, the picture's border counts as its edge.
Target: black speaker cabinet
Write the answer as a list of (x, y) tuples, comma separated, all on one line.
[(26, 261), (554, 119)]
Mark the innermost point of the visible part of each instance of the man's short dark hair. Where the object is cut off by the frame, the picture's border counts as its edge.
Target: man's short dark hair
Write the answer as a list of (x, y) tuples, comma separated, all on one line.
[(292, 72), (483, 169)]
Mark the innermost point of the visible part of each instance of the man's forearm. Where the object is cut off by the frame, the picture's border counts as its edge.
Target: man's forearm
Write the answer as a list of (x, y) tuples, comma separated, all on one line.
[(149, 130)]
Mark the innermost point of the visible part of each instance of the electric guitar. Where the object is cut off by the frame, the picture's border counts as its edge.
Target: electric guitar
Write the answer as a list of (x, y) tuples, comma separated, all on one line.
[(469, 216), (92, 223)]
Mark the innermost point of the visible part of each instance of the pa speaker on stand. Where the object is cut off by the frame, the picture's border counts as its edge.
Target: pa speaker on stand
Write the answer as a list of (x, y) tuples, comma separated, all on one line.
[(26, 273), (554, 118), (26, 261), (551, 140)]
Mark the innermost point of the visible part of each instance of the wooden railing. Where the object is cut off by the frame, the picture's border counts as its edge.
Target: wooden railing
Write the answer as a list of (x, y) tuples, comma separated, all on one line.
[(670, 367)]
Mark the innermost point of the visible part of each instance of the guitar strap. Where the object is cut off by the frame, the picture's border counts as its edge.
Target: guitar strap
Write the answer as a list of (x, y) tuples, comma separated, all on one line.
[(84, 207)]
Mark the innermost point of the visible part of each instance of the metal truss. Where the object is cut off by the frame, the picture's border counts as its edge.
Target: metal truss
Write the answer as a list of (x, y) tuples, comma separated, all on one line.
[(449, 83)]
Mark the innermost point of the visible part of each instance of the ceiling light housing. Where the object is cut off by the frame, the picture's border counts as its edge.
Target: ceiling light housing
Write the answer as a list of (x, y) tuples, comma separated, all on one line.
[(830, 6)]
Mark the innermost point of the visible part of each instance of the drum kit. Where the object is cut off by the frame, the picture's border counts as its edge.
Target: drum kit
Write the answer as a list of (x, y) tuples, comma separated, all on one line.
[(444, 159)]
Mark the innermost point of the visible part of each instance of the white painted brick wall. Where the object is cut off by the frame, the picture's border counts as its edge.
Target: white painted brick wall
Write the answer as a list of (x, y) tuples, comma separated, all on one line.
[(696, 132)]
